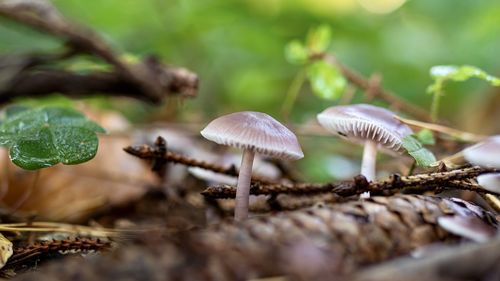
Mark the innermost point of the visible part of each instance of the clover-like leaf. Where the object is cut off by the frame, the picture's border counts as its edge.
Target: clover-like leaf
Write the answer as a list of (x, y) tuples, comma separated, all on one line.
[(296, 53), (43, 137), (423, 156), (426, 137), (326, 80), (14, 109), (319, 39)]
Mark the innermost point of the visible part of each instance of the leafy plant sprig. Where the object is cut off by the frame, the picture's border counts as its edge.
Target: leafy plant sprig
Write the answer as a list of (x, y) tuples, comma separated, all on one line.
[(43, 137), (327, 81), (443, 73), (414, 146)]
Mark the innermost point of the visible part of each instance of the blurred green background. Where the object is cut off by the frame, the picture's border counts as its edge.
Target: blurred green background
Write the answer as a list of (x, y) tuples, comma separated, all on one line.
[(237, 47)]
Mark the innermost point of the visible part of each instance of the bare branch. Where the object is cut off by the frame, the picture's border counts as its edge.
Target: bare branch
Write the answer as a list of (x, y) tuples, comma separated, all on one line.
[(374, 90), (415, 184), (151, 153), (150, 79)]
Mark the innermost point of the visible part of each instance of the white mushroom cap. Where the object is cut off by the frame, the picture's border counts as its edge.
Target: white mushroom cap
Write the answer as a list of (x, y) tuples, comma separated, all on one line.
[(469, 227), (362, 122), (490, 182), (485, 153), (254, 130)]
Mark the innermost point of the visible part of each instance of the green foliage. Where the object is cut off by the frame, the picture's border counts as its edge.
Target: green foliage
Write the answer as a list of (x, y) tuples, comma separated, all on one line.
[(422, 156), (234, 36), (42, 137), (461, 73), (442, 73), (326, 80), (296, 53), (319, 39), (426, 137)]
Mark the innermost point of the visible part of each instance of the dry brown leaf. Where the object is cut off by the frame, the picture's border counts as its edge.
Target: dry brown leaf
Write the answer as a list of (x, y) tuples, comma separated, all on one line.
[(72, 193)]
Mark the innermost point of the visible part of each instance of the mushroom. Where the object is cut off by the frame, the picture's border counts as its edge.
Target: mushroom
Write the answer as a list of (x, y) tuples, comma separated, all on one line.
[(490, 182), (486, 154), (253, 132), (370, 125), (469, 227)]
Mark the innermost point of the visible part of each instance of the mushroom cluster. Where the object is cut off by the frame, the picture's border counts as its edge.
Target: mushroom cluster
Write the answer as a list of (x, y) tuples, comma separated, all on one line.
[(372, 126), (375, 127), (254, 132)]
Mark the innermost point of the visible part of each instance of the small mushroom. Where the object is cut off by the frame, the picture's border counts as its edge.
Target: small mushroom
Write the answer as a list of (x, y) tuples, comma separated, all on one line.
[(490, 182), (486, 154), (373, 126), (469, 227), (253, 132)]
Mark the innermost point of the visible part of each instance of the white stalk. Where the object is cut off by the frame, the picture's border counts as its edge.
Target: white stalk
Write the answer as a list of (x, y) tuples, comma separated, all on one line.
[(369, 163), (243, 187), (369, 160)]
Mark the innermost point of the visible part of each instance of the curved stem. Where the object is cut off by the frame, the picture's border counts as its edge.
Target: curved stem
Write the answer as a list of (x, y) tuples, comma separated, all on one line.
[(243, 188), (293, 93), (436, 99), (369, 160)]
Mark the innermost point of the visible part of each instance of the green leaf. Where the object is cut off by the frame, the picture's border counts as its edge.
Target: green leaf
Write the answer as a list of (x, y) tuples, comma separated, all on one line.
[(426, 137), (34, 151), (319, 39), (423, 156), (296, 53), (326, 80), (462, 73), (43, 137), (14, 109)]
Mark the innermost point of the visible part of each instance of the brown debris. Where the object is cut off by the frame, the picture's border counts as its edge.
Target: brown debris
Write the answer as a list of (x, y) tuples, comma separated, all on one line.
[(320, 243), (472, 261), (111, 178), (39, 251)]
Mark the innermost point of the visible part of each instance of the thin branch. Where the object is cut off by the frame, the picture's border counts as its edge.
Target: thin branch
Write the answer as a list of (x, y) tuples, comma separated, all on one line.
[(493, 201), (41, 83), (147, 80), (49, 249), (460, 135), (374, 90), (415, 184), (151, 153)]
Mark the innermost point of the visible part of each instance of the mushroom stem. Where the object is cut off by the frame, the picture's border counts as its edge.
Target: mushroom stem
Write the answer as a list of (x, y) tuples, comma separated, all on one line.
[(243, 187), (369, 160)]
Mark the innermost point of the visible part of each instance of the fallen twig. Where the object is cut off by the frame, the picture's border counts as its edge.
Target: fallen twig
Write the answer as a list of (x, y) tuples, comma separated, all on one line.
[(457, 134), (41, 226), (419, 183), (28, 255), (152, 153)]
